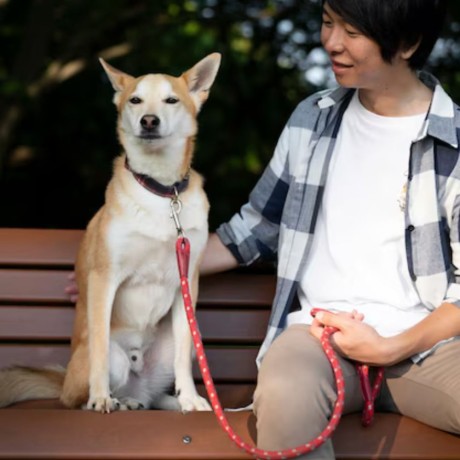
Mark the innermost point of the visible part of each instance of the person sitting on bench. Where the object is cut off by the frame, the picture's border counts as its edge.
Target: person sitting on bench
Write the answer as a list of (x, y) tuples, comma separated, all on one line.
[(361, 206)]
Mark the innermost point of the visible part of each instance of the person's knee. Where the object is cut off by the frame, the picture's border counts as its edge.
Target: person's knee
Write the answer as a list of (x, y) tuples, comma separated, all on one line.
[(276, 387), (283, 388), (294, 365)]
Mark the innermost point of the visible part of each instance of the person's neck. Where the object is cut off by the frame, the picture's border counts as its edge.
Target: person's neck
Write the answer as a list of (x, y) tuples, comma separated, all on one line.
[(404, 96)]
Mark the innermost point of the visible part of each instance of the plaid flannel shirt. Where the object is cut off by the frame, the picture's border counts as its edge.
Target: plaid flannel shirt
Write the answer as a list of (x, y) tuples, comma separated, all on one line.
[(280, 216)]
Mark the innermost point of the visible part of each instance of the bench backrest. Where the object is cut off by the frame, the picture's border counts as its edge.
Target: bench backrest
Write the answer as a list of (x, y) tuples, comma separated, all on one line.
[(36, 315)]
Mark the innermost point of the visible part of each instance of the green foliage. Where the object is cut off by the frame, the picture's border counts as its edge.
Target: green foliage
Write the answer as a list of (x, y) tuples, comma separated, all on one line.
[(57, 121)]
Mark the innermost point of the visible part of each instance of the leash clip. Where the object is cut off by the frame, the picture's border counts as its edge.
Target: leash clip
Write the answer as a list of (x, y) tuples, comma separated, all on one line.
[(176, 208)]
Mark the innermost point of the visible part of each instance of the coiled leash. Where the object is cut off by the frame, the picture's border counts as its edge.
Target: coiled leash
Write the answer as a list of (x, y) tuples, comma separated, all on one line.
[(183, 258)]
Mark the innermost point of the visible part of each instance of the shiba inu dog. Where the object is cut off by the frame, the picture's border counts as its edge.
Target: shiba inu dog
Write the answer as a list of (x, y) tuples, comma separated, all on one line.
[(131, 340)]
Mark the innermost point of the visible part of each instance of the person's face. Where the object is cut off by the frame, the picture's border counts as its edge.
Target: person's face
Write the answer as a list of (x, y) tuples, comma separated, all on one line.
[(356, 59)]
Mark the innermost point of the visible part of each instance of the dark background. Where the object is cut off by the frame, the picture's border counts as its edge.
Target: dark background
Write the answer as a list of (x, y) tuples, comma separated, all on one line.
[(57, 121)]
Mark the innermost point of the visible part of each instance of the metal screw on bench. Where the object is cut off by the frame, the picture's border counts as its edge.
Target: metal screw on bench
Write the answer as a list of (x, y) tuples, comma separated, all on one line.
[(187, 439)]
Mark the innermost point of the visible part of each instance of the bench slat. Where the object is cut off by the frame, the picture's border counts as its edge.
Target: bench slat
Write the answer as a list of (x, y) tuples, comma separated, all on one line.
[(42, 286), (226, 364), (25, 323), (159, 435), (234, 289), (36, 323), (21, 247), (34, 355), (33, 286), (233, 325), (130, 435)]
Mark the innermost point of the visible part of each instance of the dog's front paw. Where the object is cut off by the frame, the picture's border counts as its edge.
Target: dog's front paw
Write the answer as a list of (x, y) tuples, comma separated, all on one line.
[(104, 405), (190, 403)]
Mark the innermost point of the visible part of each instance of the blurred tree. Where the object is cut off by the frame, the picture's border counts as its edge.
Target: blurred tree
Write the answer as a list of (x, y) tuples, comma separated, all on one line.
[(57, 122)]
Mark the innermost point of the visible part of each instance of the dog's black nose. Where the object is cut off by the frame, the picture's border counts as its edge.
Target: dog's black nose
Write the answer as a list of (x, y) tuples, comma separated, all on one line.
[(150, 122)]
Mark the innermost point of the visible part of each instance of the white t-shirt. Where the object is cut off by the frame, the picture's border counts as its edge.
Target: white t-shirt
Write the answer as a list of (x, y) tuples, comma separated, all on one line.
[(358, 256)]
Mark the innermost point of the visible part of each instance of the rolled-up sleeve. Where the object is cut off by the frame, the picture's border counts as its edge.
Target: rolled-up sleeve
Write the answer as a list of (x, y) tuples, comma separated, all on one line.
[(253, 232)]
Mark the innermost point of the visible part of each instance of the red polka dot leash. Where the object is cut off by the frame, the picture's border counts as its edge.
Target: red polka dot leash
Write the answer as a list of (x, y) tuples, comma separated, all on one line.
[(183, 257)]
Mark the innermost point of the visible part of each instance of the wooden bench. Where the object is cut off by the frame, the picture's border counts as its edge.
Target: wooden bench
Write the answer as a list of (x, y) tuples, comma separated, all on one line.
[(35, 325)]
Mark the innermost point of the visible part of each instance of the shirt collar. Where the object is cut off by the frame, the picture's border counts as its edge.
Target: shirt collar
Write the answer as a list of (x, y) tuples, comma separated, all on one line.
[(328, 98), (440, 120)]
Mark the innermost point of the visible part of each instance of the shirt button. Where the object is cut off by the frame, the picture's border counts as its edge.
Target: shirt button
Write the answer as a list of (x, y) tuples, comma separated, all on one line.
[(410, 228)]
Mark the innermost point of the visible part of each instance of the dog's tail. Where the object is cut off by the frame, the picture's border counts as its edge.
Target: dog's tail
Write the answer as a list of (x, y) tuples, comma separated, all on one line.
[(24, 383)]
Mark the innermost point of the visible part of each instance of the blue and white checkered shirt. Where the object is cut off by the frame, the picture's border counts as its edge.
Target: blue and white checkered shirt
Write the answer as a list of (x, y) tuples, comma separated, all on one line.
[(280, 216)]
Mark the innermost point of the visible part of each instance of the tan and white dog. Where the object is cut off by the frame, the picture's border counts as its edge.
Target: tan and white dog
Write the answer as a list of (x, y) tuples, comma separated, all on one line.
[(131, 340)]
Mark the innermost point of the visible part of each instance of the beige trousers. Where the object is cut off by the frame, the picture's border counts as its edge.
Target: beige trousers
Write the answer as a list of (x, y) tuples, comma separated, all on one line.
[(295, 392)]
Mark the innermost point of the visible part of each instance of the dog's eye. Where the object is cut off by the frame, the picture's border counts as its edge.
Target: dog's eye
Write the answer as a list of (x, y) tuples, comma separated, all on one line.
[(171, 100), (135, 100)]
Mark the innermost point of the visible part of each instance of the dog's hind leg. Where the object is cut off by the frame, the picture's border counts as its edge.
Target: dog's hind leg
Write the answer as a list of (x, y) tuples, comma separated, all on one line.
[(166, 402), (120, 366), (75, 390), (132, 404), (134, 395)]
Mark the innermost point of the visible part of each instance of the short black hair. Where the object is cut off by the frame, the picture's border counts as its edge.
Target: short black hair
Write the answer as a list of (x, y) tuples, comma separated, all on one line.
[(396, 24)]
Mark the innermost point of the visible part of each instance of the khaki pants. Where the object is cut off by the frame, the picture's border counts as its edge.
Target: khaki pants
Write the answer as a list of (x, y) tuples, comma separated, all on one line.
[(295, 392)]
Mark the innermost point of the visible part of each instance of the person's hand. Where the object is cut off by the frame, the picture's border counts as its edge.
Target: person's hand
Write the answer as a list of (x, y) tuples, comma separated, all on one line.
[(354, 339), (317, 326), (72, 289)]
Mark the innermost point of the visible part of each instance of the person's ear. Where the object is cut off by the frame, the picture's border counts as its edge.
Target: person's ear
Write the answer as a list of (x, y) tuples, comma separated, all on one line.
[(406, 53)]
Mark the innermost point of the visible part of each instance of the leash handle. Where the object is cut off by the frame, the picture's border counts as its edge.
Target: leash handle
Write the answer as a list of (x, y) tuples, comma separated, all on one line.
[(183, 257), (369, 394)]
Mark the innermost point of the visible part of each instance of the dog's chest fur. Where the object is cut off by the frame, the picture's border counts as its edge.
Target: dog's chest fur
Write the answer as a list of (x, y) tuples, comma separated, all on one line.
[(142, 239)]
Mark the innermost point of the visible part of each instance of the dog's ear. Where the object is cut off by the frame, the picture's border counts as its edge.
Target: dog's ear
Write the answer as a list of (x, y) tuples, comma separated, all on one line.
[(200, 78), (119, 79)]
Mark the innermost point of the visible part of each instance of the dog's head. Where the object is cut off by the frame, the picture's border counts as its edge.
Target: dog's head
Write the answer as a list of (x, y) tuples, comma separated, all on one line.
[(155, 109)]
